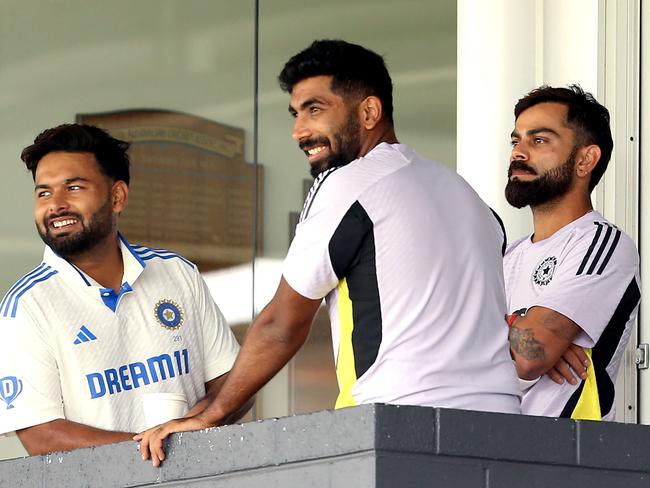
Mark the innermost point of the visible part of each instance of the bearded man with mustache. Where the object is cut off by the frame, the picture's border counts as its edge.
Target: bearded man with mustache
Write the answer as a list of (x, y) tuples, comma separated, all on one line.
[(406, 255), (100, 319), (572, 286)]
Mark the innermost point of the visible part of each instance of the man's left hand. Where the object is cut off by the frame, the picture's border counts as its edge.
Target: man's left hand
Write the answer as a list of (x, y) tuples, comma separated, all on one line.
[(151, 441), (574, 362)]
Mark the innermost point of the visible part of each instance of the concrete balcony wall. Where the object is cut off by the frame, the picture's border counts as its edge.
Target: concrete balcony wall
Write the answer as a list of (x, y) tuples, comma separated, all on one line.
[(368, 446)]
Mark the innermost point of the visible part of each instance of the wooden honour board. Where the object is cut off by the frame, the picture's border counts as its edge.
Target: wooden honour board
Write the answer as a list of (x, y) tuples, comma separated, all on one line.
[(191, 190)]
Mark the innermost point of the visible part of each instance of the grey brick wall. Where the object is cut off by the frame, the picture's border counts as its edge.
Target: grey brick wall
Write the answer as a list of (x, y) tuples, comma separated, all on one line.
[(369, 446)]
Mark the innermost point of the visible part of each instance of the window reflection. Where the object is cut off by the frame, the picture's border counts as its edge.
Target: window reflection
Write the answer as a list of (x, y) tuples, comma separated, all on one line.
[(199, 57)]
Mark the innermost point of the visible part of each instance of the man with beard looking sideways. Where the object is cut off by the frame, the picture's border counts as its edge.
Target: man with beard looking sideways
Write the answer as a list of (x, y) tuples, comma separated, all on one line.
[(575, 279), (406, 254), (100, 322)]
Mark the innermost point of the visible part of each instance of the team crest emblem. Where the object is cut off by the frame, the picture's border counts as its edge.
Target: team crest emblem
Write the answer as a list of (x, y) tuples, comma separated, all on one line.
[(169, 314), (544, 272), (10, 388)]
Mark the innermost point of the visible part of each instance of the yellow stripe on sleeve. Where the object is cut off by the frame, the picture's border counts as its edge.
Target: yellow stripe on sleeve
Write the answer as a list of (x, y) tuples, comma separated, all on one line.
[(588, 406), (345, 370)]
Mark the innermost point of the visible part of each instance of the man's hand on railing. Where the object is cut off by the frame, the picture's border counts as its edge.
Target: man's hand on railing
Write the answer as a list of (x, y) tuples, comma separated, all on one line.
[(151, 441)]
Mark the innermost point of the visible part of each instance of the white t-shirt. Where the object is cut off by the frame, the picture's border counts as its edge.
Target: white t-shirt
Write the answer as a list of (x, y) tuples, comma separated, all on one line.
[(588, 272), (409, 259), (76, 351)]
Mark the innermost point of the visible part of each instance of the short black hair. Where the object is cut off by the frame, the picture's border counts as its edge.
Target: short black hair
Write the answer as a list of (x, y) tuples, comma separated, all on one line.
[(588, 118), (355, 71), (110, 153)]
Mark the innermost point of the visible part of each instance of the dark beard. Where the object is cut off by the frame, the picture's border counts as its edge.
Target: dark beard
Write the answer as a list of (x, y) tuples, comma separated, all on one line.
[(98, 228), (544, 189), (347, 140)]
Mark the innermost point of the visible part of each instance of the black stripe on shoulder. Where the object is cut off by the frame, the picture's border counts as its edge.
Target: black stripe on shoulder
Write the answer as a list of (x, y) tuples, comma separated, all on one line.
[(313, 191), (601, 249), (353, 256), (610, 252), (585, 260), (503, 229)]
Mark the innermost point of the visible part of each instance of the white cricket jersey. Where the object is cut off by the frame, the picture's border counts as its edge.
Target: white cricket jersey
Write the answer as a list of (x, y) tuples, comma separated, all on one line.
[(77, 351), (589, 272), (410, 260)]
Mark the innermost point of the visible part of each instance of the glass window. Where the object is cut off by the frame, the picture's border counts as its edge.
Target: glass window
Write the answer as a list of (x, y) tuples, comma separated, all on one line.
[(178, 78)]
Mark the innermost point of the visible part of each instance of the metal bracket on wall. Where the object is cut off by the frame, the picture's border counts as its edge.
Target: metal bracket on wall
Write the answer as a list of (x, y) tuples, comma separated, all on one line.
[(642, 359)]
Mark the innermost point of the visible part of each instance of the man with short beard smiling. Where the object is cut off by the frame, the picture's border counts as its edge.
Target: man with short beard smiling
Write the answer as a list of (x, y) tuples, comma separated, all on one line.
[(572, 286), (98, 227), (406, 255), (100, 322), (344, 148)]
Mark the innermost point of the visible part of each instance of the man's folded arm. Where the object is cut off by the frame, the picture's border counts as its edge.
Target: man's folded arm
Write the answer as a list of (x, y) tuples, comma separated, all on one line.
[(64, 435), (539, 339)]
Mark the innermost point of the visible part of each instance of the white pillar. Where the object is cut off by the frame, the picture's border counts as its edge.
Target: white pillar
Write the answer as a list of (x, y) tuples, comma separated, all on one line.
[(505, 49), (571, 51), (644, 380), (496, 65)]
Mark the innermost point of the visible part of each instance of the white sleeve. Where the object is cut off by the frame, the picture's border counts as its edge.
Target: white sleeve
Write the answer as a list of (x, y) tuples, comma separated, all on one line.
[(525, 385), (592, 280), (220, 348), (308, 267), (30, 386)]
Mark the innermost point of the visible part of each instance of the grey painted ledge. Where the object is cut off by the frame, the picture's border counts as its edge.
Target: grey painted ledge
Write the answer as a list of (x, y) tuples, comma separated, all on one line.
[(367, 446)]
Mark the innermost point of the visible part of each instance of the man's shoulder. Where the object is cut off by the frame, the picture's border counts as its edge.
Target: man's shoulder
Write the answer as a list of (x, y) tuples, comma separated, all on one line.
[(363, 172), (333, 191), (343, 185), (513, 246), (386, 159), (589, 225), (34, 282), (603, 227), (162, 257), (601, 241)]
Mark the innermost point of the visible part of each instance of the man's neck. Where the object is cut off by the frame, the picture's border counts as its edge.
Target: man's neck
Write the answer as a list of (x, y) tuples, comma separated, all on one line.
[(103, 263), (386, 134), (552, 216)]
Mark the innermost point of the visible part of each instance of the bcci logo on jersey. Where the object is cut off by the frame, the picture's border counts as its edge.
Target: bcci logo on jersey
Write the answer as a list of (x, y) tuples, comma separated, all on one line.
[(10, 388), (544, 272), (169, 314)]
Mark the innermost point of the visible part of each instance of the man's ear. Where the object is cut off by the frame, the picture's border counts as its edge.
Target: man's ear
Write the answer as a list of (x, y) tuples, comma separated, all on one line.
[(119, 196), (587, 160), (371, 112)]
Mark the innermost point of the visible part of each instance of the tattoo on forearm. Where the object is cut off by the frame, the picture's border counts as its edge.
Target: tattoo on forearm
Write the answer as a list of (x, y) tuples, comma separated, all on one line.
[(523, 342), (559, 325)]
